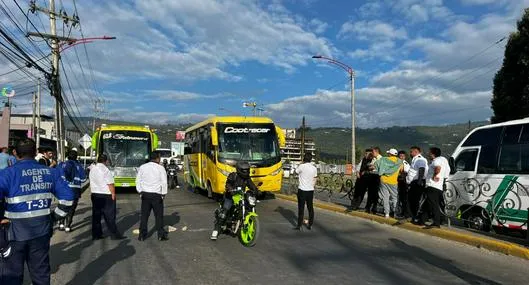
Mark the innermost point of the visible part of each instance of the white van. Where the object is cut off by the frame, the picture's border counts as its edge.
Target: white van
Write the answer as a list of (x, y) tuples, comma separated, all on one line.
[(489, 183), (165, 155)]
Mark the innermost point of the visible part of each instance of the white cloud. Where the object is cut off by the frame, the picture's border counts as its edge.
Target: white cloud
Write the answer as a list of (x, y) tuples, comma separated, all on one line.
[(318, 26), (371, 31), (382, 107)]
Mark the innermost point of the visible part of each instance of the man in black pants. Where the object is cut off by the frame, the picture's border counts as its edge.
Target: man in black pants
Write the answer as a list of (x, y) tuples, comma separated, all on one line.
[(151, 183), (361, 180), (373, 183), (103, 199), (308, 174), (416, 179)]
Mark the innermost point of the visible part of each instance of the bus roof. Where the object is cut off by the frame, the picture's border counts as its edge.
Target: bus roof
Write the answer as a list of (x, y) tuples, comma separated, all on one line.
[(125, 128), (230, 119), (507, 123)]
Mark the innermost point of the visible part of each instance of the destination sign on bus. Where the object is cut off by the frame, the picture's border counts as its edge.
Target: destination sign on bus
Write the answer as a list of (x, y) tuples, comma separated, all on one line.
[(233, 130), (123, 137)]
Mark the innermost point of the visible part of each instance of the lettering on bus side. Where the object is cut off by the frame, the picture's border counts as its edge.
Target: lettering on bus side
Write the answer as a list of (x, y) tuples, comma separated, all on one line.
[(233, 130)]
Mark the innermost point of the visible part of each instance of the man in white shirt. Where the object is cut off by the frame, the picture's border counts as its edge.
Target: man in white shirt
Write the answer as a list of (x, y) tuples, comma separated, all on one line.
[(438, 172), (103, 199), (308, 174), (151, 183), (416, 179)]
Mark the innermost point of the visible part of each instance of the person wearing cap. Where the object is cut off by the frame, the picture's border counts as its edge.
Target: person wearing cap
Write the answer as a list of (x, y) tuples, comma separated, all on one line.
[(75, 175), (389, 169), (28, 189)]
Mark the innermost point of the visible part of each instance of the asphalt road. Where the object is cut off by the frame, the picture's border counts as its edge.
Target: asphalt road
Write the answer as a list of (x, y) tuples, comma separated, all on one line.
[(339, 250)]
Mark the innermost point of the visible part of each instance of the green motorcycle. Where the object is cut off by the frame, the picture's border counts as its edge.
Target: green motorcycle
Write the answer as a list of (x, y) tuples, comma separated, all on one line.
[(242, 220)]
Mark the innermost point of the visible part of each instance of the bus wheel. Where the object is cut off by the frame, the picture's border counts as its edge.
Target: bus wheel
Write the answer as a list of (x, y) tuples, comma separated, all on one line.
[(477, 221), (210, 191)]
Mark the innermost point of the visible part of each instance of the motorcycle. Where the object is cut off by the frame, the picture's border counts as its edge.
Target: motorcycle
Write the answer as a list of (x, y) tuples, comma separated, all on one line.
[(171, 178), (242, 220)]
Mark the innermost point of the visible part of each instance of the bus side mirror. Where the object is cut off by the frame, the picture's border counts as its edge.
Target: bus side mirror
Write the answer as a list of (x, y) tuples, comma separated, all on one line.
[(452, 163), (214, 137), (187, 150)]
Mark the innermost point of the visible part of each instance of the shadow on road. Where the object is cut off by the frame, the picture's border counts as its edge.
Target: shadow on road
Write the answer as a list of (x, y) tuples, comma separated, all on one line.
[(97, 268), (441, 263), (288, 214)]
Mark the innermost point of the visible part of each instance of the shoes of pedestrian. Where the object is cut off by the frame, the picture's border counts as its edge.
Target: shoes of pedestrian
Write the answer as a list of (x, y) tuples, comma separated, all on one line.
[(67, 229), (417, 222), (177, 186), (97, 238), (118, 237), (141, 238), (432, 227), (61, 227), (163, 238), (297, 228), (214, 235), (387, 216), (309, 227)]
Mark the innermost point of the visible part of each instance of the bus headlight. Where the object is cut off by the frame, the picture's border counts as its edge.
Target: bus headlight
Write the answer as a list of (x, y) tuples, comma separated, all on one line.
[(224, 172), (276, 172)]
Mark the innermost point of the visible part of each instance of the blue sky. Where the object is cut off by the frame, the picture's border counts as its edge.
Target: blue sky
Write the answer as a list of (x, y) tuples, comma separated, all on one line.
[(418, 62)]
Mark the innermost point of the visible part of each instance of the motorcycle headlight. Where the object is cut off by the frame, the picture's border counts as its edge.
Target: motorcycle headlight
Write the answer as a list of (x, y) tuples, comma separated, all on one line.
[(276, 172), (252, 200)]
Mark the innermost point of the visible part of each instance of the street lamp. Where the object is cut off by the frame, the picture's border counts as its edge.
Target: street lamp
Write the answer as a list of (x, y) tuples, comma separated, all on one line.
[(351, 74)]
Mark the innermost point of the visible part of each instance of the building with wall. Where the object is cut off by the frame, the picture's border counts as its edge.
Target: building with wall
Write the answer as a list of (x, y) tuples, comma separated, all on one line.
[(21, 127), (292, 150)]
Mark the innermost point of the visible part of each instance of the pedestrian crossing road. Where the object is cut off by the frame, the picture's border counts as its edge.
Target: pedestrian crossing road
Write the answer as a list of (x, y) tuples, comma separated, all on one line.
[(339, 250)]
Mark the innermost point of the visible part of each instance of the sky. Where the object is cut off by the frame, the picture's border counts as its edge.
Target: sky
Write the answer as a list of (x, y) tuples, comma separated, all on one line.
[(416, 62)]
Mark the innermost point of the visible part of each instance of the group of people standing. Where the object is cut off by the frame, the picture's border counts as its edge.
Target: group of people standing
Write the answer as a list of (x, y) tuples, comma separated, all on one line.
[(407, 189)]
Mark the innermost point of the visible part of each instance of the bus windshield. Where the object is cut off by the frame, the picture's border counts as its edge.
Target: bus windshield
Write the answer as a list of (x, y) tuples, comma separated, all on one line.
[(125, 148), (255, 143)]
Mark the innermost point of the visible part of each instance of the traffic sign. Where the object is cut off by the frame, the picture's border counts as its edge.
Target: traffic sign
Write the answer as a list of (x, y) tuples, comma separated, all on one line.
[(85, 141)]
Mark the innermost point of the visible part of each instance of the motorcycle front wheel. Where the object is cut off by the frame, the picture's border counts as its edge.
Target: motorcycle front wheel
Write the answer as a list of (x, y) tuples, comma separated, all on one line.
[(249, 232)]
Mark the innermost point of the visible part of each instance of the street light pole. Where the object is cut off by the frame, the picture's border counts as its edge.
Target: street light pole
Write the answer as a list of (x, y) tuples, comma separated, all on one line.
[(351, 74)]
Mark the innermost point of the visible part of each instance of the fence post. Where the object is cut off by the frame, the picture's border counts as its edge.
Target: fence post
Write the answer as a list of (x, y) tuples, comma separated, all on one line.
[(527, 225)]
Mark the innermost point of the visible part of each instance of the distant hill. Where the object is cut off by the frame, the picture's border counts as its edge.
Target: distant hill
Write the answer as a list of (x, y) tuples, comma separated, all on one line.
[(334, 144)]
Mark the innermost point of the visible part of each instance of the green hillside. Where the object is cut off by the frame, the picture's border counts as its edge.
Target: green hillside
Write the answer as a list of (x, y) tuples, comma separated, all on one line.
[(334, 144)]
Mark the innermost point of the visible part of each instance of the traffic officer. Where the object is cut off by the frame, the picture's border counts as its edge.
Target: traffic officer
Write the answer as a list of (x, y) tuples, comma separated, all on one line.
[(27, 189), (151, 183), (75, 176)]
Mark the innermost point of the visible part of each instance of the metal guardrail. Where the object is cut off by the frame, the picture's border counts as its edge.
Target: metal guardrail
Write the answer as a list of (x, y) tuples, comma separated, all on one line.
[(336, 183), (462, 198)]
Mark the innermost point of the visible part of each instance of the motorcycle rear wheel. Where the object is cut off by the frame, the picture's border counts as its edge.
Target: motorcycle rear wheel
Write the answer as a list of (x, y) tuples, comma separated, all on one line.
[(249, 232)]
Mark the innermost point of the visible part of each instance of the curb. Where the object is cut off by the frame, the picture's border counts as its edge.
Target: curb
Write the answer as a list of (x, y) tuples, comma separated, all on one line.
[(479, 242)]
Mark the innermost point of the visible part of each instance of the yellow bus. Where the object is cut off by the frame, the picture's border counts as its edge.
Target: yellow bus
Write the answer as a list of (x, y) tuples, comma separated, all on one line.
[(127, 147), (214, 146)]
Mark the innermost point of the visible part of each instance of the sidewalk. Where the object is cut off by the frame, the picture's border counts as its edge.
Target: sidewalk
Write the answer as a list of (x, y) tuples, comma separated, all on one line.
[(454, 234)]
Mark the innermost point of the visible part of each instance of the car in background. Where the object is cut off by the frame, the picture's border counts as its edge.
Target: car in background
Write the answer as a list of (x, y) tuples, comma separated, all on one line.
[(165, 155)]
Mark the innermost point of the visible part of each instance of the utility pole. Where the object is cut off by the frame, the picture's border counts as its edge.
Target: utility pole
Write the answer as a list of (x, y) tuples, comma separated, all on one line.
[(303, 139), (97, 111), (37, 136), (469, 126), (55, 78), (33, 116), (353, 123)]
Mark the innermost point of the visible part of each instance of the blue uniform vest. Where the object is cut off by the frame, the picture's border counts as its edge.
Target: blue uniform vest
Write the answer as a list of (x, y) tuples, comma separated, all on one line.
[(73, 173), (28, 188)]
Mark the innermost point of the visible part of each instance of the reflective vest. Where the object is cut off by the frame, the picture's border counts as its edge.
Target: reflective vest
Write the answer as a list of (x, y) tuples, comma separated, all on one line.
[(73, 173), (27, 189)]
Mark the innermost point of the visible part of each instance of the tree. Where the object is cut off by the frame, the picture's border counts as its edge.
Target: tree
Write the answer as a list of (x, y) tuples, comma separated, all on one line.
[(510, 99)]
